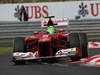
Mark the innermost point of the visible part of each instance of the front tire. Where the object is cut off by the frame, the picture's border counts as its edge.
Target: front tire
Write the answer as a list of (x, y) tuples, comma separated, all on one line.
[(79, 40), (19, 44)]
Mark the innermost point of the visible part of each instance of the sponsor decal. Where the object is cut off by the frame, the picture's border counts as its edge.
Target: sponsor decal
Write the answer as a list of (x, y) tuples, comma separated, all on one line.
[(90, 9), (66, 52), (33, 12), (94, 45), (17, 12), (95, 10), (58, 22), (30, 54), (60, 52), (83, 11), (17, 54), (36, 55)]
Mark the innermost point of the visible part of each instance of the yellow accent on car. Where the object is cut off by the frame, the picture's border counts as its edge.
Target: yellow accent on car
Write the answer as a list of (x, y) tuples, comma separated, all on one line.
[(17, 54)]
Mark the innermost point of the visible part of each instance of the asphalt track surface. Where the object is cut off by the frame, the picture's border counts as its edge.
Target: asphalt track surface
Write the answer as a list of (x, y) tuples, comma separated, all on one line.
[(8, 68)]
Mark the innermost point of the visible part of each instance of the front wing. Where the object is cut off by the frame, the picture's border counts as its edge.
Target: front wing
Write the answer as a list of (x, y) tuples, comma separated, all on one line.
[(31, 56)]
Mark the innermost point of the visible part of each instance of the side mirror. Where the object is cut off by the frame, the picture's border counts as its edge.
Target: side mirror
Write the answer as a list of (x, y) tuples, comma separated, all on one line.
[(61, 30)]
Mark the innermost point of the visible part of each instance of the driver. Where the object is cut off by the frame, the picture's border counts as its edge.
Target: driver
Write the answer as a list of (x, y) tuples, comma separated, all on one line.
[(51, 30)]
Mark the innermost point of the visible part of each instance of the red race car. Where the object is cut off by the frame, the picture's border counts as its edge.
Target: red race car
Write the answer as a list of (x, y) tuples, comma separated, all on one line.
[(50, 47)]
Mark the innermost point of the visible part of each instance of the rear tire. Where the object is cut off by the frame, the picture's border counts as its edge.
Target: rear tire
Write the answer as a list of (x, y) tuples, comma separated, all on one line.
[(19, 44), (79, 40)]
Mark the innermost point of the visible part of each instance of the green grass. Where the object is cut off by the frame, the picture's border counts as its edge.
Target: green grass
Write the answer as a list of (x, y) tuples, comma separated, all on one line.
[(6, 40), (4, 50), (93, 36)]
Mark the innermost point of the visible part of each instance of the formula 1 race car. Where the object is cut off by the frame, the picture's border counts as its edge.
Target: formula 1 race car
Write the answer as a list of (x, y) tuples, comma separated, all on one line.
[(50, 47)]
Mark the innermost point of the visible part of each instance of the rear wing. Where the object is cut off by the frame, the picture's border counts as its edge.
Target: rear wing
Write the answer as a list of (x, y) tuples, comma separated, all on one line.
[(57, 22)]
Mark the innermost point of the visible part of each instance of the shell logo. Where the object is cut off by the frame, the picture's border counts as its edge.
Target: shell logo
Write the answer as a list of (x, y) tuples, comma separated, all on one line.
[(17, 54)]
